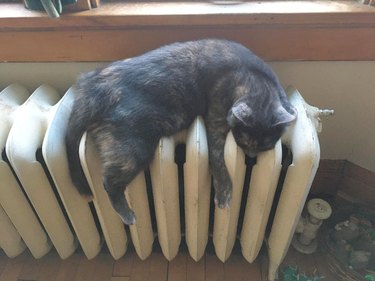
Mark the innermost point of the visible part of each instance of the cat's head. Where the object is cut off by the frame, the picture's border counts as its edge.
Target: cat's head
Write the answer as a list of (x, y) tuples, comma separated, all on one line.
[(258, 123)]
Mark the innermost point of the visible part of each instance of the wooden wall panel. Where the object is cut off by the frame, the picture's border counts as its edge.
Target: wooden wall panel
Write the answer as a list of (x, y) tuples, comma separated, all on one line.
[(271, 44), (345, 179), (358, 184), (328, 177)]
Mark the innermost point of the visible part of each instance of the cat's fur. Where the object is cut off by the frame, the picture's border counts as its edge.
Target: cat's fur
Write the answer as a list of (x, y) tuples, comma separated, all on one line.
[(129, 105)]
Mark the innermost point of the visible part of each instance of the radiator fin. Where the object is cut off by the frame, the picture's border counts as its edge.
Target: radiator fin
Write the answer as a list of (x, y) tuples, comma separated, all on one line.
[(302, 140), (141, 233), (112, 226), (263, 183), (197, 190), (10, 240), (164, 177), (25, 138), (12, 196), (225, 221), (54, 153)]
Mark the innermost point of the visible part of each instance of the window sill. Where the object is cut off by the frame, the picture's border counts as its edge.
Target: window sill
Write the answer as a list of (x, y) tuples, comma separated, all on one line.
[(275, 30)]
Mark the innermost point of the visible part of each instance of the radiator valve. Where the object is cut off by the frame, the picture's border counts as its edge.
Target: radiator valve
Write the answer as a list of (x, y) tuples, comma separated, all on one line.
[(304, 239), (315, 114)]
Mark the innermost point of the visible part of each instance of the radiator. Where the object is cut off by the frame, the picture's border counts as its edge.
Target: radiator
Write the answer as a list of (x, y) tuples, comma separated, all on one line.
[(40, 208)]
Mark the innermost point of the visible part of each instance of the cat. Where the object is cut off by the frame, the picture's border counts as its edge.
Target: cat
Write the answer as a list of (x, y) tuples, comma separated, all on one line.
[(129, 105)]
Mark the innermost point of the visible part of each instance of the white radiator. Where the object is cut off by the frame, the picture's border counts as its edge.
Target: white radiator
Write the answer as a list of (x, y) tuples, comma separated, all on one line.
[(40, 208)]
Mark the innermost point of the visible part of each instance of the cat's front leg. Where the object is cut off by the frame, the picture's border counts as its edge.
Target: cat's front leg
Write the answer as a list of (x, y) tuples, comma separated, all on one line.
[(221, 178)]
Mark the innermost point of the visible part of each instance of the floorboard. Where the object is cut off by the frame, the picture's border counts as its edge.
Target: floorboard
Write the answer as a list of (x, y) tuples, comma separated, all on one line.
[(30, 268), (3, 261), (214, 268), (104, 268), (69, 267), (49, 267), (123, 266), (13, 268), (177, 268), (140, 270), (251, 271), (120, 278), (158, 267), (86, 268), (155, 268), (195, 271)]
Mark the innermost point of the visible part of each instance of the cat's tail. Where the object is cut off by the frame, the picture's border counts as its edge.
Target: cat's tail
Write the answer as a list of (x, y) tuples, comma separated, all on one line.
[(84, 110), (77, 125)]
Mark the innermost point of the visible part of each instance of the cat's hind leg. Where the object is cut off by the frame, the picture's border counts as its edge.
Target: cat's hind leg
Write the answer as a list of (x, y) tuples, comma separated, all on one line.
[(118, 172), (123, 156), (115, 190)]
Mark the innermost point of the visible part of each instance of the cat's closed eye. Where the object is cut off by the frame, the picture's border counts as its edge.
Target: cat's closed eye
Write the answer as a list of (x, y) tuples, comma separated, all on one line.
[(252, 144), (268, 142)]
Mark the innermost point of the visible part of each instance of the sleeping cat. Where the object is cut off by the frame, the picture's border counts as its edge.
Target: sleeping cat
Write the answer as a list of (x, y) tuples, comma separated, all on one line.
[(129, 105)]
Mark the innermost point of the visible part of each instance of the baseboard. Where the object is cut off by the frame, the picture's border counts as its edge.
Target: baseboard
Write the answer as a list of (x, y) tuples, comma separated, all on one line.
[(328, 177), (345, 179), (357, 184)]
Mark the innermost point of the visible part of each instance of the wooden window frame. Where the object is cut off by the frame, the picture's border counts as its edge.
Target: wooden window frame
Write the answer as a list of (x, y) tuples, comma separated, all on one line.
[(275, 30)]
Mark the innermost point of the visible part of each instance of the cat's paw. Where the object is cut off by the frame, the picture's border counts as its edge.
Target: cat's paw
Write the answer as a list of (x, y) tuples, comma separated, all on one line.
[(223, 198), (128, 217)]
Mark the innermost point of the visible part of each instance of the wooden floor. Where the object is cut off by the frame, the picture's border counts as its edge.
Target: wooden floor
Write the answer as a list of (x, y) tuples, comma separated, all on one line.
[(155, 268)]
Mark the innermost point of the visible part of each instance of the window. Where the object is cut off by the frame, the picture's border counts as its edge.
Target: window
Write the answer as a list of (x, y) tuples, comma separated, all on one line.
[(275, 30)]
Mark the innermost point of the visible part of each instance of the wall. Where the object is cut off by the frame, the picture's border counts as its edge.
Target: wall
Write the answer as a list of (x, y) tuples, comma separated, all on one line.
[(346, 87)]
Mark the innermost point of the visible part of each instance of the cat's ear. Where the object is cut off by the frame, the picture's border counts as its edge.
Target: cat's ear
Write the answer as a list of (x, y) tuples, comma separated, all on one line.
[(240, 113), (284, 117)]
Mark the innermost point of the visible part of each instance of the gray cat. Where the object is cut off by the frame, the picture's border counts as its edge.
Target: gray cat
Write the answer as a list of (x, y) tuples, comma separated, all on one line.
[(129, 105)]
